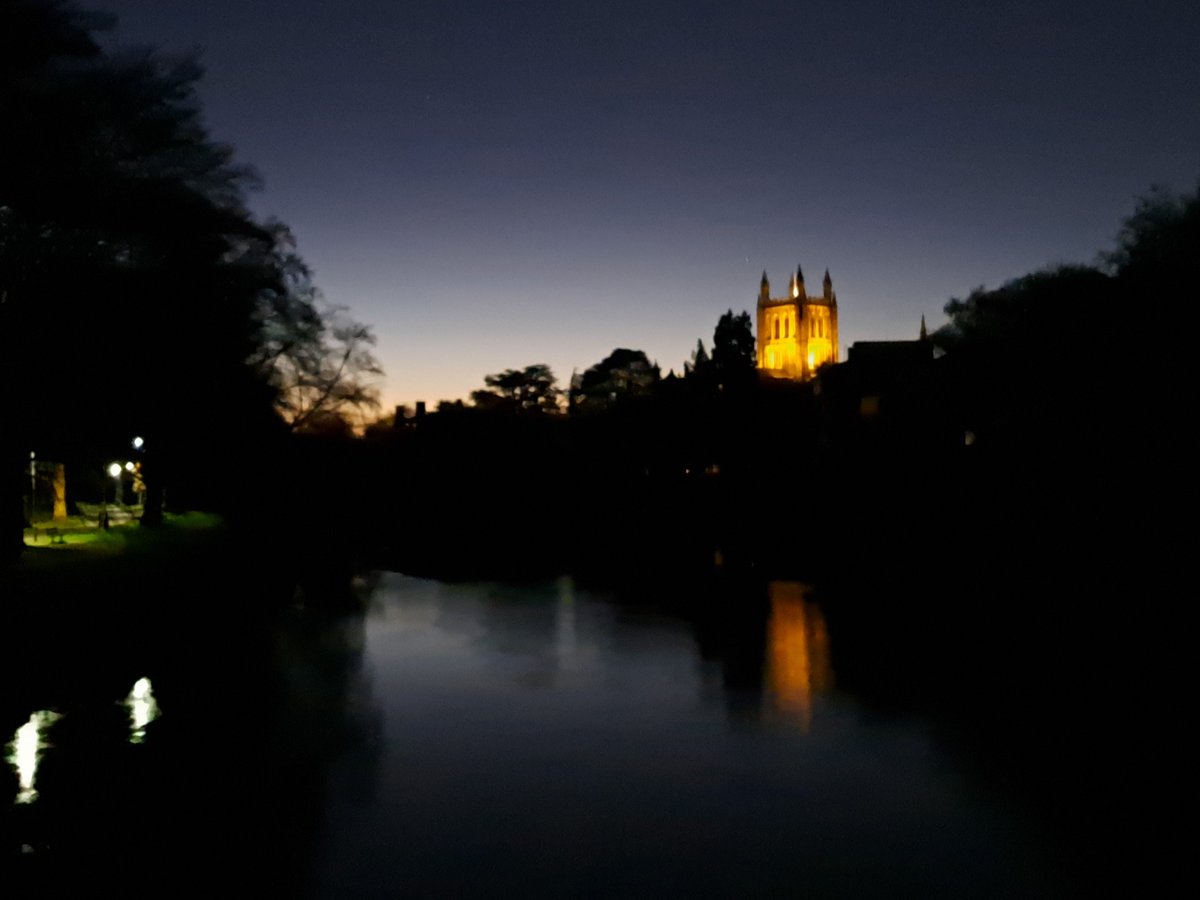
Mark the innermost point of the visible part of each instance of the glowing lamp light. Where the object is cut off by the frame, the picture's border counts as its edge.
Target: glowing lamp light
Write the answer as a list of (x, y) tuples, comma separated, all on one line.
[(115, 470), (137, 443), (128, 467)]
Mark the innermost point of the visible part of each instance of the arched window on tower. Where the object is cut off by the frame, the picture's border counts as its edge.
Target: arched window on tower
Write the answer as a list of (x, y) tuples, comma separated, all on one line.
[(776, 329), (787, 327)]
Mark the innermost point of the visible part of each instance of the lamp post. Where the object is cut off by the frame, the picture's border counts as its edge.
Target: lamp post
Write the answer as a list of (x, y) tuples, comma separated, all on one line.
[(139, 479), (139, 484), (114, 471)]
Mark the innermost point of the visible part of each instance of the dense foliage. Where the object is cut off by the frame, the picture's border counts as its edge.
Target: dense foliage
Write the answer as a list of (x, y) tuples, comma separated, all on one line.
[(138, 295)]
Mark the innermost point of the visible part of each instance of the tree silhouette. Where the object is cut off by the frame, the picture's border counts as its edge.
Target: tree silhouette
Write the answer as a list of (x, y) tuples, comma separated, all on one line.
[(528, 390), (1058, 305), (132, 276), (317, 358), (699, 361), (733, 355), (620, 375), (1157, 246)]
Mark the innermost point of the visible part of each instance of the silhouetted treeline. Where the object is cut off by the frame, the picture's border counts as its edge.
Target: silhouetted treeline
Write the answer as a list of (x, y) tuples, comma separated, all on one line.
[(138, 295), (1012, 441)]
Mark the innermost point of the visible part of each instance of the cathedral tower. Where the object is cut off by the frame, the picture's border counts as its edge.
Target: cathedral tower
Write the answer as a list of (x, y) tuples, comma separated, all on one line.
[(796, 333)]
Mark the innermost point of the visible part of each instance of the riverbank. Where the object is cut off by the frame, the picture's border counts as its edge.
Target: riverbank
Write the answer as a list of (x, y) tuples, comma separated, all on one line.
[(216, 624)]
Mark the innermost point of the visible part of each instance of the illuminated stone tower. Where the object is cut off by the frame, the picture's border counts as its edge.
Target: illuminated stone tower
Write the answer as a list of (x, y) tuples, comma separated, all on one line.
[(796, 333)]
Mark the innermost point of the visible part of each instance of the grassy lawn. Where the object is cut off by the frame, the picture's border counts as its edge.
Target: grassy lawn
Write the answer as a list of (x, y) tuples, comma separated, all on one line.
[(82, 549)]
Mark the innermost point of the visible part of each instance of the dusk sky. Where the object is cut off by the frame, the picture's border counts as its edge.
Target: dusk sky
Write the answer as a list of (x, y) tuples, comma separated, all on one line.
[(495, 184)]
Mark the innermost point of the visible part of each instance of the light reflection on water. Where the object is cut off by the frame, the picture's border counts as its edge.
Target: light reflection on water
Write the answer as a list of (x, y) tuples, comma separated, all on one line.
[(547, 738), (798, 664), (25, 752), (143, 709)]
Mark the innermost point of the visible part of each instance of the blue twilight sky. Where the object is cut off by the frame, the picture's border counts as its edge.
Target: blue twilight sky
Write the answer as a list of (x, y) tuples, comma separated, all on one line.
[(496, 184)]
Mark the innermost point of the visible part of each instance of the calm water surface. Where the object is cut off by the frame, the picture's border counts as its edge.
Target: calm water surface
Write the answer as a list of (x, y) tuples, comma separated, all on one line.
[(535, 740), (546, 739)]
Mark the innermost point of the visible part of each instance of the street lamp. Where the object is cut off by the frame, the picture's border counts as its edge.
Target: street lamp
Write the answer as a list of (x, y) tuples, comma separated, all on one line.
[(135, 469), (115, 471)]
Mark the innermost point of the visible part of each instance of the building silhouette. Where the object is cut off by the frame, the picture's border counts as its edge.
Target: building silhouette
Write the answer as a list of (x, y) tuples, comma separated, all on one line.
[(796, 333)]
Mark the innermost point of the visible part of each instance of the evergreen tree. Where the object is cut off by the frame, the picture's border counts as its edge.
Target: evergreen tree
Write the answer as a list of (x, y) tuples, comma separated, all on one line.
[(699, 362), (733, 347)]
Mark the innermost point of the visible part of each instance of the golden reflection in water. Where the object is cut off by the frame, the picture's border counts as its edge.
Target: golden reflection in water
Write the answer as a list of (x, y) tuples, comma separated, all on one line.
[(25, 750), (143, 709), (797, 651)]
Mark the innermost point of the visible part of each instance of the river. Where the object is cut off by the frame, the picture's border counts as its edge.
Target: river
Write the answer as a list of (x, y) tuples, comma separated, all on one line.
[(541, 739)]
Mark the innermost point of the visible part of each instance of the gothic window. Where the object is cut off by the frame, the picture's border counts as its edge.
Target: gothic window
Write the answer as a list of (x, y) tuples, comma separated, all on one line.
[(776, 329), (787, 326)]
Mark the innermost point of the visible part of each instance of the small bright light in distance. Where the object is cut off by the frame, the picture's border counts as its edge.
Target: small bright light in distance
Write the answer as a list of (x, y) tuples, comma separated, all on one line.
[(137, 443), (128, 467), (115, 470)]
